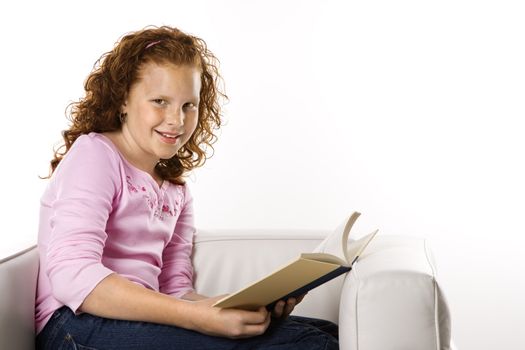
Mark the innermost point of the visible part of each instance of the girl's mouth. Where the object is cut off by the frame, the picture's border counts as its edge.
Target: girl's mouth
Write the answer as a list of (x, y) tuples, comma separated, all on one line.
[(167, 137)]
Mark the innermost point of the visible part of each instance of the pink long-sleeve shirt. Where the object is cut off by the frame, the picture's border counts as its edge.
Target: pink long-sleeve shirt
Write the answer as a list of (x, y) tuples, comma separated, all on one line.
[(101, 215)]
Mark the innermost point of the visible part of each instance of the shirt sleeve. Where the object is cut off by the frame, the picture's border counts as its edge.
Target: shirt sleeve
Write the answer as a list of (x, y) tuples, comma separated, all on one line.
[(176, 277), (85, 185)]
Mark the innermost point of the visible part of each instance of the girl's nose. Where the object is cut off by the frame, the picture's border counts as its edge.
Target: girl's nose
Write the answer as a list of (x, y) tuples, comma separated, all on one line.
[(176, 117)]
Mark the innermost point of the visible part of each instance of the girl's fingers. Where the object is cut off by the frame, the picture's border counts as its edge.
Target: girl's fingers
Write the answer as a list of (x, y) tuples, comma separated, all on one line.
[(290, 304), (256, 329), (284, 308), (255, 317), (278, 309), (300, 298)]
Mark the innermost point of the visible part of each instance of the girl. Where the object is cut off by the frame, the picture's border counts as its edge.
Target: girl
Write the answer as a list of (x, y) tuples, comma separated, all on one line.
[(116, 220)]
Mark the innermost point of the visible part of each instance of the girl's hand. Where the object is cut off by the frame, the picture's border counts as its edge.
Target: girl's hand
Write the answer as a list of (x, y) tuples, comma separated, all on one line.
[(283, 308), (230, 323)]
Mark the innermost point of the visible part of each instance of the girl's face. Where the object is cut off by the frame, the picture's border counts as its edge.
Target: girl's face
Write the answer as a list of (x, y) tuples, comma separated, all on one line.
[(162, 113)]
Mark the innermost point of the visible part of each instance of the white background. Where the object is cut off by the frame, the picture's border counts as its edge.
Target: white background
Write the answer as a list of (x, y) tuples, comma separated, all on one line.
[(408, 111)]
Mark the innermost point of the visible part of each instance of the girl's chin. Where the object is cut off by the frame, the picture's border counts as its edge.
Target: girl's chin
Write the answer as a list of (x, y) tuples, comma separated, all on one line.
[(166, 155)]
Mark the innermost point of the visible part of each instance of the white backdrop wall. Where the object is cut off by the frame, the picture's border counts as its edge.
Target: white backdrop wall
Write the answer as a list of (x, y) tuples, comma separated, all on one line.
[(408, 111)]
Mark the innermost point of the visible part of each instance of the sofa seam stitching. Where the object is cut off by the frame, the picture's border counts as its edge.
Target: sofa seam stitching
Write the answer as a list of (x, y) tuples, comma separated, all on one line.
[(358, 281), (434, 285)]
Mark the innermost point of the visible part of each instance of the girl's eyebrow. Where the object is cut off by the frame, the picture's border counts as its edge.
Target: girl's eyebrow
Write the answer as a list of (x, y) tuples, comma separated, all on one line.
[(193, 98)]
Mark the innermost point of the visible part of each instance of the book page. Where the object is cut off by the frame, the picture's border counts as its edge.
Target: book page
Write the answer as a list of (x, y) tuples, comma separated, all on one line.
[(323, 257), (336, 243), (355, 248)]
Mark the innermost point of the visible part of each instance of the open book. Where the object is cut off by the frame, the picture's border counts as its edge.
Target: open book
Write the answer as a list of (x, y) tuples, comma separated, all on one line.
[(333, 257)]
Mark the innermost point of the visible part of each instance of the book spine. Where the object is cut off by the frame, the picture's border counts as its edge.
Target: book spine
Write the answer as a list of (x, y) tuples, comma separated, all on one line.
[(314, 284)]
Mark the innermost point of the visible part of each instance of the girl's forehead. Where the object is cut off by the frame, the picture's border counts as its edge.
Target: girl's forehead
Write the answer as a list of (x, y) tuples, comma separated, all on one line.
[(152, 67), (154, 77), (150, 64)]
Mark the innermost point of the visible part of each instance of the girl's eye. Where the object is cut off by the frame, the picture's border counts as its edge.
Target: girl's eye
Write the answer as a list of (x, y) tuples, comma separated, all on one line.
[(190, 105), (159, 101)]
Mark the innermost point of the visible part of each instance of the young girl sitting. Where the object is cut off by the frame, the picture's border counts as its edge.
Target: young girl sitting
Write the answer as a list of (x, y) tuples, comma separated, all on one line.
[(116, 220)]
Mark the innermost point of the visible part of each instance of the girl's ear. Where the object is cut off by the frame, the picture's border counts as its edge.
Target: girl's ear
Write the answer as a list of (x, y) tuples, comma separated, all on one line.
[(123, 107)]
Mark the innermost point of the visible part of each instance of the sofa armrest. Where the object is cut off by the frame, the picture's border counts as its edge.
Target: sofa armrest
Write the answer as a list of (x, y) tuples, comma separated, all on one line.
[(391, 299), (18, 277)]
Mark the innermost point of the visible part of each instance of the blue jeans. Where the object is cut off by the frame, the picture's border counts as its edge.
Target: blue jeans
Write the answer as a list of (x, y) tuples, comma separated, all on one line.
[(86, 332)]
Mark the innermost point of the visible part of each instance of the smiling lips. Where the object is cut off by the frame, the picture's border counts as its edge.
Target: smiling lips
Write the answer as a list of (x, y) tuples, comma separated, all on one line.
[(168, 137)]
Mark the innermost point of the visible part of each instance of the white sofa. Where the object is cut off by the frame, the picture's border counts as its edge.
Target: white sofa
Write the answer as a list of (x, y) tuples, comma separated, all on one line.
[(391, 300)]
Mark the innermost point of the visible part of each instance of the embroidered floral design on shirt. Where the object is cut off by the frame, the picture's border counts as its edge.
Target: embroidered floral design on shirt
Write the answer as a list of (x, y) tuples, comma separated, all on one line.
[(159, 209), (131, 187)]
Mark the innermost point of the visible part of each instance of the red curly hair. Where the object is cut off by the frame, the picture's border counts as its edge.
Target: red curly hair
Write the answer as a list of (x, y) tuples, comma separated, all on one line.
[(116, 71)]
